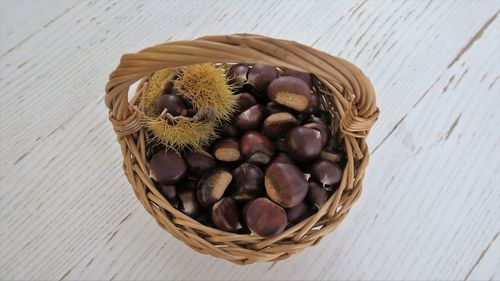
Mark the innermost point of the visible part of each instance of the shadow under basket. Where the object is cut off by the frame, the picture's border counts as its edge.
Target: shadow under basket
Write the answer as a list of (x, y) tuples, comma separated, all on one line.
[(344, 91)]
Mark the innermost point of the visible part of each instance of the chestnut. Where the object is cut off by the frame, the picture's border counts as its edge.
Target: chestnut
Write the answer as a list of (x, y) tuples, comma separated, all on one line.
[(321, 127), (290, 92), (188, 202), (173, 104), (332, 154), (212, 186), (326, 172), (264, 218), (314, 105), (251, 118), (272, 107), (198, 163), (228, 130), (303, 144), (317, 194), (256, 147), (248, 182), (282, 158), (285, 184), (225, 215), (237, 74), (306, 77), (278, 124), (245, 101), (227, 150), (298, 213), (167, 167), (260, 75), (168, 191)]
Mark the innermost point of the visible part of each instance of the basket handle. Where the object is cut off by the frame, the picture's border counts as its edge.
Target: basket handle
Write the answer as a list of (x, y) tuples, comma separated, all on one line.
[(361, 112)]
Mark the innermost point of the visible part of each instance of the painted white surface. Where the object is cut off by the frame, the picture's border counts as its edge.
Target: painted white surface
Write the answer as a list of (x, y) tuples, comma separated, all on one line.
[(431, 204)]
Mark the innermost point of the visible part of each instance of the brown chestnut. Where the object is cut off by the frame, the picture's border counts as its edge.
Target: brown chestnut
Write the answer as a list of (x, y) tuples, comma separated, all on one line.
[(285, 184), (228, 130), (320, 126), (256, 147), (248, 182), (298, 213), (272, 107), (332, 154), (167, 167), (317, 194), (225, 215), (291, 92), (173, 104), (278, 124), (245, 101), (264, 218), (227, 150), (251, 118), (282, 158), (188, 202), (168, 191), (212, 186), (237, 74), (314, 105), (198, 163), (303, 144), (326, 172), (260, 75), (306, 77)]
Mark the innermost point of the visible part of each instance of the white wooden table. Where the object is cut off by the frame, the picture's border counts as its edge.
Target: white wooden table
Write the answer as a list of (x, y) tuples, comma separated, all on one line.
[(431, 203)]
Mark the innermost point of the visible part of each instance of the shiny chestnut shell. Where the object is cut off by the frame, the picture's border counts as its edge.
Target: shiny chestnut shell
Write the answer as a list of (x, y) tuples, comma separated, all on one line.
[(264, 218), (306, 77), (237, 74), (260, 75), (317, 195), (285, 184), (248, 182), (278, 124), (225, 214), (198, 163), (326, 172), (256, 147), (212, 186), (303, 144), (227, 150), (291, 92), (172, 103), (251, 118), (298, 213), (167, 167)]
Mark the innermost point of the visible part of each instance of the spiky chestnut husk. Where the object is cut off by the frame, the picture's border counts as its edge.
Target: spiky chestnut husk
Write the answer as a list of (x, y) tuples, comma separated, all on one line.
[(184, 134), (207, 86)]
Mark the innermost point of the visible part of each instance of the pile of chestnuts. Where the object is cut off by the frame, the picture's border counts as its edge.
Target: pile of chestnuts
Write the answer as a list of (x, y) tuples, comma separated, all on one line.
[(274, 164)]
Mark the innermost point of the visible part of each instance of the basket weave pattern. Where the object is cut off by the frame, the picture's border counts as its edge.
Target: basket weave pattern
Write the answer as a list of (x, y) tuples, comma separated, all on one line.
[(349, 94)]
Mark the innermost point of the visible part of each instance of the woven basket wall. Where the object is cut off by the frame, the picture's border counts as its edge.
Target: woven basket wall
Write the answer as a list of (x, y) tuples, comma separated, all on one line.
[(347, 92)]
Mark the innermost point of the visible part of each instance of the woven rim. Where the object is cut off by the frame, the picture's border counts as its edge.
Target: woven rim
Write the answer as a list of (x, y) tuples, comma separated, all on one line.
[(349, 93)]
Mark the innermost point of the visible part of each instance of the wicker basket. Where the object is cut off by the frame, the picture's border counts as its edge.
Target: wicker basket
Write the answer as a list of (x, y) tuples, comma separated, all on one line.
[(347, 91)]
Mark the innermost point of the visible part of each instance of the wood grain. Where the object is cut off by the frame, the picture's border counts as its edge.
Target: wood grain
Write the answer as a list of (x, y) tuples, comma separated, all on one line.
[(431, 202)]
